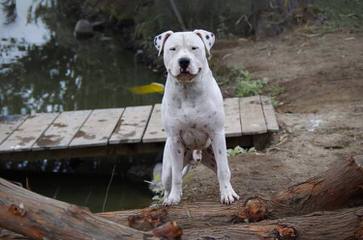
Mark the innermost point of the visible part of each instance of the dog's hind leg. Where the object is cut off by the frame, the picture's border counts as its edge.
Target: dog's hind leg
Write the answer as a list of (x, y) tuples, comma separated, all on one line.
[(188, 161), (166, 170)]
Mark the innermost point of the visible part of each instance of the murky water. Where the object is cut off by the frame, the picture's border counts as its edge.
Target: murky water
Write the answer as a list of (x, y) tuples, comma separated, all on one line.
[(90, 191), (43, 68)]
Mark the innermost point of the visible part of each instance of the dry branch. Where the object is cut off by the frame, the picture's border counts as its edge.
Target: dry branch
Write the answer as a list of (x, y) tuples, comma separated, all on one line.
[(330, 190), (338, 225), (35, 216), (39, 217)]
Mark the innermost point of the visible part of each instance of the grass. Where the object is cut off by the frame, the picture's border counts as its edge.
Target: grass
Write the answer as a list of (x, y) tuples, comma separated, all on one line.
[(238, 150), (342, 14), (244, 84)]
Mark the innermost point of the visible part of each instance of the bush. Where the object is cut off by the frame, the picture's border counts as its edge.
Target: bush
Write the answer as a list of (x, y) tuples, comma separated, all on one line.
[(246, 86)]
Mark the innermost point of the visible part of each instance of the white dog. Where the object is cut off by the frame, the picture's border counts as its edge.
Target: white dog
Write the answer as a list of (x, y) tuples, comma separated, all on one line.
[(192, 113)]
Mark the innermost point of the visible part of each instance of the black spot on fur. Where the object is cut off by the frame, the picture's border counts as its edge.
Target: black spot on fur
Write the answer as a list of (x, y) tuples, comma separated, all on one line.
[(179, 151), (210, 44), (207, 37), (159, 37), (212, 34)]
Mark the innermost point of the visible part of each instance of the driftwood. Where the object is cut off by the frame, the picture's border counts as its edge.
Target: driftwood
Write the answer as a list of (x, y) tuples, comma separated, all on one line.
[(338, 225), (330, 190), (39, 217)]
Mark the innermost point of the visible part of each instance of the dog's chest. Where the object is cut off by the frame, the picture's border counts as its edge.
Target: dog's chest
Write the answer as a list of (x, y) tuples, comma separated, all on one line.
[(192, 123)]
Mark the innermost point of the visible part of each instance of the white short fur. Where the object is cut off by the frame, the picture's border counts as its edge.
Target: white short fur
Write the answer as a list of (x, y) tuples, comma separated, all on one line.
[(192, 111)]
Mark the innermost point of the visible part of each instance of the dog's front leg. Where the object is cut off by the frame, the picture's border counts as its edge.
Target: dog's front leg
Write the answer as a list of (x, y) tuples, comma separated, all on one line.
[(176, 157), (228, 195)]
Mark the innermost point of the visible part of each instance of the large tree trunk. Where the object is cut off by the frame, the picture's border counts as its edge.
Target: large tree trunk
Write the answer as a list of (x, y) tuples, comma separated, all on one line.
[(328, 191), (39, 217), (339, 225)]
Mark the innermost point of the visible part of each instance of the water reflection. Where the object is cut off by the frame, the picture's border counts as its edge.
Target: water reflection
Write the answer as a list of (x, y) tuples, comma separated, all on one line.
[(44, 68), (18, 30), (89, 191)]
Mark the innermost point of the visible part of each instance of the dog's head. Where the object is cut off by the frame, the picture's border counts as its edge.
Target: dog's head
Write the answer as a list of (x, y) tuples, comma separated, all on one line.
[(185, 53)]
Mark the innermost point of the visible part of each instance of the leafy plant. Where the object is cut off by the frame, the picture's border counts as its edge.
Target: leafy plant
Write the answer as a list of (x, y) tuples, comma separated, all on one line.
[(238, 150), (246, 86)]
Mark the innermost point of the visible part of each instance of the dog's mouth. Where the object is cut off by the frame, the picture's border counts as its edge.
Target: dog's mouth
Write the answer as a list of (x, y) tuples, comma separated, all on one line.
[(185, 76)]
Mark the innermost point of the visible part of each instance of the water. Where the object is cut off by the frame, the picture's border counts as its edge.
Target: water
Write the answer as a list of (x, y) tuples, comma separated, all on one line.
[(43, 68), (89, 191)]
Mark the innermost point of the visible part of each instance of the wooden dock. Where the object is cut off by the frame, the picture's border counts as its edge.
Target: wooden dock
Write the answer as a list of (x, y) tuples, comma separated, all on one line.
[(117, 131)]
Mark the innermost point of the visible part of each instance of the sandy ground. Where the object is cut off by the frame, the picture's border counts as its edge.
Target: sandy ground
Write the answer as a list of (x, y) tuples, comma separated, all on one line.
[(320, 111)]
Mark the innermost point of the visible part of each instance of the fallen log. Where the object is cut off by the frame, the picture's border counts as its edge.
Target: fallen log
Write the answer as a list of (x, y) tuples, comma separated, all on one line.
[(330, 190), (35, 216), (338, 225), (39, 217)]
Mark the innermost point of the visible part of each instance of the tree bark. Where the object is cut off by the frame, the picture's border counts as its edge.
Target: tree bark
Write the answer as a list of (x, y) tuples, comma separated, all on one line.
[(328, 191), (39, 217), (338, 225)]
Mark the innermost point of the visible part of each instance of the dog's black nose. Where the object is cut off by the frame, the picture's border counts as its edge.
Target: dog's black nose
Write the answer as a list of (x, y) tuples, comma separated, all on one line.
[(184, 62)]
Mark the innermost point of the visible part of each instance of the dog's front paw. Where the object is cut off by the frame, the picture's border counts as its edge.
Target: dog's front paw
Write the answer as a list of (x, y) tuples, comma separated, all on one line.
[(228, 195), (172, 199)]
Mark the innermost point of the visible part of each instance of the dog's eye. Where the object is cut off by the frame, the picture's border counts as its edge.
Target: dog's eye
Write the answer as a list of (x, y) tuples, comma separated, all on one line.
[(194, 48), (172, 49)]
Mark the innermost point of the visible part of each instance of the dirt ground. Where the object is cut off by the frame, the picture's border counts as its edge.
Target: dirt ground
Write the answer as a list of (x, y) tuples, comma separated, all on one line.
[(320, 111)]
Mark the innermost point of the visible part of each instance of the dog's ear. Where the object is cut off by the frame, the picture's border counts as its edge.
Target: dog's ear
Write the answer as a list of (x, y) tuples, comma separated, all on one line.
[(208, 39), (160, 39)]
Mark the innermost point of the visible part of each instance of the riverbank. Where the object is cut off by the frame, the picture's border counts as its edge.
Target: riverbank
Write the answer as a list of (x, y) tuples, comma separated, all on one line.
[(320, 110)]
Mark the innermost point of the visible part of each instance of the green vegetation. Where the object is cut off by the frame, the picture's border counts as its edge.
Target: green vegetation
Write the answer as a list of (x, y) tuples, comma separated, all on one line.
[(340, 15), (246, 86), (232, 152)]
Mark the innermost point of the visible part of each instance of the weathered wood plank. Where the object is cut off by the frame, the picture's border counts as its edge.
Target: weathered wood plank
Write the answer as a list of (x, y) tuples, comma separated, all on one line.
[(98, 128), (154, 131), (269, 113), (252, 119), (132, 125), (8, 124), (62, 130), (26, 134), (232, 124)]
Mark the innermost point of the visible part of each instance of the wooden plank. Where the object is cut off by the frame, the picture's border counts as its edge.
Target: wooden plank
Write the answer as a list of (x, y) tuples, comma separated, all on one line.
[(269, 113), (23, 138), (62, 130), (154, 131), (8, 124), (252, 119), (232, 124), (132, 125), (98, 128)]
